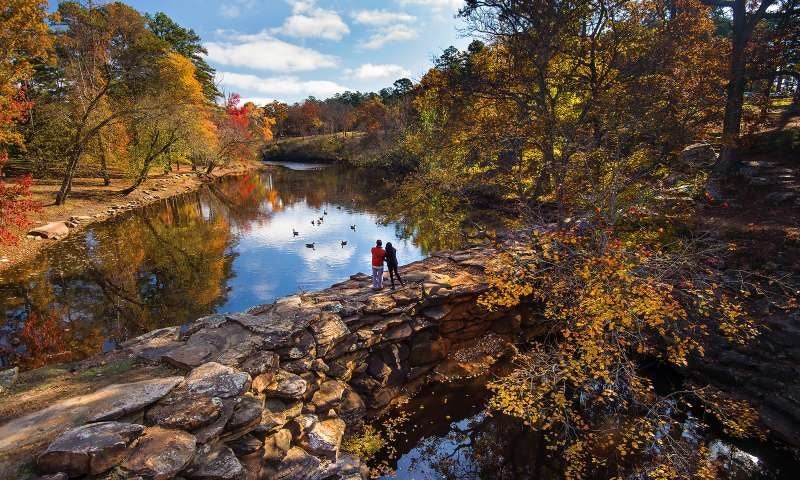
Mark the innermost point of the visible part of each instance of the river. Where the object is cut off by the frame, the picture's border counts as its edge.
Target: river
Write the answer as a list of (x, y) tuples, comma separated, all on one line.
[(230, 246), (224, 248)]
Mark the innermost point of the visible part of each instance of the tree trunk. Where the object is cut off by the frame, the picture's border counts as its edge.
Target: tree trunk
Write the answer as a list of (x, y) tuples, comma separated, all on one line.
[(732, 122), (141, 177), (66, 184), (103, 163)]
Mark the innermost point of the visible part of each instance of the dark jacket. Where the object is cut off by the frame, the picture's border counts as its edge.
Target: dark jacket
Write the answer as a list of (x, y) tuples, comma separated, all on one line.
[(391, 256)]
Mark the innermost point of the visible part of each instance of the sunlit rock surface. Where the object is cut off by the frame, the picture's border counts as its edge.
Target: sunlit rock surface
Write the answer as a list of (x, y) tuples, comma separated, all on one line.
[(270, 393)]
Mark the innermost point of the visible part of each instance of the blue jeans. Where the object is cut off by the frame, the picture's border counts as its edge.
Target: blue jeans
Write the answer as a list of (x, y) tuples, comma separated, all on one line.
[(377, 277)]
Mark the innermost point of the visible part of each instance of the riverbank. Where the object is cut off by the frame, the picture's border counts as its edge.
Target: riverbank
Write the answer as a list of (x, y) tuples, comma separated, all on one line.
[(91, 202)]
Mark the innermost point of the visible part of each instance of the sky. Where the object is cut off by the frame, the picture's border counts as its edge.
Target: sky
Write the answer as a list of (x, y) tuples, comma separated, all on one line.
[(288, 50)]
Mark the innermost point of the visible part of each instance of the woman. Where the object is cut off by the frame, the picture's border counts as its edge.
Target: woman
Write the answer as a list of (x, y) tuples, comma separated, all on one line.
[(391, 262)]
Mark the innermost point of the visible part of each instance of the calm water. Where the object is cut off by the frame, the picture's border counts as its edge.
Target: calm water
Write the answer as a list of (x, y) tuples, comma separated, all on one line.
[(222, 249), (448, 434)]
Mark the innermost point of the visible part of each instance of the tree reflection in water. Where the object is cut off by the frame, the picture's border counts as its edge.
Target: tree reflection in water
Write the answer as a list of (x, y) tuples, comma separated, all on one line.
[(447, 433), (184, 257)]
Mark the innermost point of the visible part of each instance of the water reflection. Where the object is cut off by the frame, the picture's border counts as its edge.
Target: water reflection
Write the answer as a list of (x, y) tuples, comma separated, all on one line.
[(224, 248), (448, 434)]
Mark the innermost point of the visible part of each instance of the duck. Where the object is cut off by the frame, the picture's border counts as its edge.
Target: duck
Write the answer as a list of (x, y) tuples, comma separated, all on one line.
[(352, 227), (312, 222), (310, 245), (295, 232), (321, 219), (324, 212), (338, 207), (344, 242)]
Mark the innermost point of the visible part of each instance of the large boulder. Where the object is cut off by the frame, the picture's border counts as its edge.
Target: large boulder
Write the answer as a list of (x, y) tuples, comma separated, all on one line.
[(217, 380), (184, 410), (277, 413), (297, 464), (218, 464), (277, 445), (286, 385), (8, 378), (52, 230), (161, 453), (327, 330), (328, 396), (89, 450), (324, 438)]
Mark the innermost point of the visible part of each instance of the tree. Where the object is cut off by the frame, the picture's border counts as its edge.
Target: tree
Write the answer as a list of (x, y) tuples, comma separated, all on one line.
[(745, 16), (15, 205), (609, 302), (24, 41), (170, 128), (241, 128), (187, 43), (106, 56)]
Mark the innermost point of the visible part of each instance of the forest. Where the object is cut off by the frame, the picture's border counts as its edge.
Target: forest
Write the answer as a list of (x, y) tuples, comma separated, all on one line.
[(609, 132)]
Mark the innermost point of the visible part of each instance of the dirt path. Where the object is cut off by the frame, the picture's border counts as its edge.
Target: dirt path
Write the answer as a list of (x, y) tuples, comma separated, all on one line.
[(95, 202)]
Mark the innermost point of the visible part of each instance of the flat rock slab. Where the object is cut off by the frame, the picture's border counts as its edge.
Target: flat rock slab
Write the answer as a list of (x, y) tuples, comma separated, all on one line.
[(52, 230), (298, 464), (324, 438), (217, 380), (228, 343), (184, 410), (286, 385), (277, 323), (91, 449), (219, 464), (114, 401), (161, 453)]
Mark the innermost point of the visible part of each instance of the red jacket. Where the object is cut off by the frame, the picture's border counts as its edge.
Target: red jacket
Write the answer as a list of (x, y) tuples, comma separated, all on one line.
[(377, 256)]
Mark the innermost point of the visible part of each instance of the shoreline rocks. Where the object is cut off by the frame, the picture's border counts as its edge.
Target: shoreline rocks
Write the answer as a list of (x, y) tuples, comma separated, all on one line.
[(270, 393)]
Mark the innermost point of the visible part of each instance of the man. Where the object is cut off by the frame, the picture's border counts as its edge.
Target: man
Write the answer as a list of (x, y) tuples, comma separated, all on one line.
[(391, 264), (378, 255)]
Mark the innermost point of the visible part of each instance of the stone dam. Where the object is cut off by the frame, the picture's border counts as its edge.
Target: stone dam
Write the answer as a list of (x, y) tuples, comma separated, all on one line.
[(270, 393)]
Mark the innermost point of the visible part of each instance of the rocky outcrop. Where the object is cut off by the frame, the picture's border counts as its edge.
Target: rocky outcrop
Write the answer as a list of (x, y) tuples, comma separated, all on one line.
[(89, 450), (270, 393)]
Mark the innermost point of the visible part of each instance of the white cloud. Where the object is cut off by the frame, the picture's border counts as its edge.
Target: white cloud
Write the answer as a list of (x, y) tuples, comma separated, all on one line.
[(262, 51), (370, 71), (395, 33), (234, 8), (381, 17), (261, 90), (436, 4), (309, 21)]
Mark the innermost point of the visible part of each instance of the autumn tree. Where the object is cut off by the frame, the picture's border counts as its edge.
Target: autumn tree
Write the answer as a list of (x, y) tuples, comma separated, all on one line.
[(187, 43), (609, 303), (24, 41), (173, 120), (241, 129), (106, 56)]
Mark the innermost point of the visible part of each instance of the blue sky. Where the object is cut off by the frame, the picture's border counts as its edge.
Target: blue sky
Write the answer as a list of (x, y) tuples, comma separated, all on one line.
[(290, 49)]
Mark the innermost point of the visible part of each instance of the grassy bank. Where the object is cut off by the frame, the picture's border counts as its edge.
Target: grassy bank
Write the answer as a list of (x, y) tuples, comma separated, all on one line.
[(356, 149), (94, 202)]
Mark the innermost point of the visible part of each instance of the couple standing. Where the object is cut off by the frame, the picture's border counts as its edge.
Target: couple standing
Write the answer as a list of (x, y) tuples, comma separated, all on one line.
[(379, 255)]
